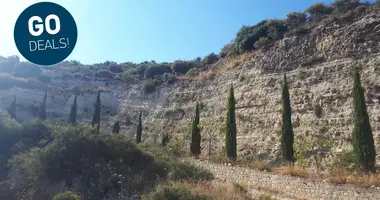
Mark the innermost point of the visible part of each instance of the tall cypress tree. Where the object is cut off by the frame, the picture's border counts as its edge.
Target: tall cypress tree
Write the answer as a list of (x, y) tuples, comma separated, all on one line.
[(116, 127), (362, 138), (96, 117), (231, 126), (73, 112), (12, 109), (195, 146), (139, 130), (42, 108), (287, 135)]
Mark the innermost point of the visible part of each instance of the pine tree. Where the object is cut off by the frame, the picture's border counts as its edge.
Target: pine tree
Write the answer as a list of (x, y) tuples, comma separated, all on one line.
[(96, 117), (73, 112), (231, 126), (12, 109), (139, 130), (116, 127), (42, 109), (287, 135), (195, 146), (362, 138)]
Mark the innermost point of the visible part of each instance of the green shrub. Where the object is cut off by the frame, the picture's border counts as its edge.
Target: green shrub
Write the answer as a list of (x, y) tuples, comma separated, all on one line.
[(263, 42), (7, 64), (342, 6), (298, 31), (68, 195), (313, 60), (361, 9), (377, 2), (169, 78), (99, 168), (141, 69), (103, 73), (344, 159), (149, 86), (17, 138), (182, 67), (157, 70), (193, 72), (248, 35), (318, 11), (210, 59), (115, 68), (26, 69), (295, 19), (266, 197), (228, 50), (189, 172)]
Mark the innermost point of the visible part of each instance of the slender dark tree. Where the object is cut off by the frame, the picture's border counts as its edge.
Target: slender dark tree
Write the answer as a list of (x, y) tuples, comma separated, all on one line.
[(139, 130), (231, 126), (287, 135), (116, 127), (12, 109), (195, 146), (73, 112), (362, 138), (42, 109), (96, 117)]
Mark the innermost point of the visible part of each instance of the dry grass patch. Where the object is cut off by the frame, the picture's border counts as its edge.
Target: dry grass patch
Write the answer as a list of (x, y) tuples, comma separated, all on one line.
[(292, 171), (262, 166), (338, 177), (208, 190)]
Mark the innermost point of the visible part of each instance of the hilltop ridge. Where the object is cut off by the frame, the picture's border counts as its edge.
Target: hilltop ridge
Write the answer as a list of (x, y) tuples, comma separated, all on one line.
[(317, 53)]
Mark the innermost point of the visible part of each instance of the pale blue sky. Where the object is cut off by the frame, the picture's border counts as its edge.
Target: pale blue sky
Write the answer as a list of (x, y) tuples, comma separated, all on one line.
[(139, 30)]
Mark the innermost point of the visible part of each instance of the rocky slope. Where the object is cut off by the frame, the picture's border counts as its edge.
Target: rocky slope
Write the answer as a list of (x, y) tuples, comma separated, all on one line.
[(318, 66)]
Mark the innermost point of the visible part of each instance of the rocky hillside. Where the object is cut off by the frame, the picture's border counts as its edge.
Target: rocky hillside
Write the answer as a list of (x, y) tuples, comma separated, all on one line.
[(318, 63)]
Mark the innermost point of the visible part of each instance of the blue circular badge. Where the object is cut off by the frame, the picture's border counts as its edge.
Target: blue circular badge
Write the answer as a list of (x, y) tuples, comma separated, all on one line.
[(45, 33)]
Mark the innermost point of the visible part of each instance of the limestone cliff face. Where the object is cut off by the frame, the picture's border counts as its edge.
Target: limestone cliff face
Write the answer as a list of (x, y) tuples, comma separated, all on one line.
[(318, 66)]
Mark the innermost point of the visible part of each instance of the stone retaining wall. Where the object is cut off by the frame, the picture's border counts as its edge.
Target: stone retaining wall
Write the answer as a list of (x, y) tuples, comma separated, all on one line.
[(287, 185)]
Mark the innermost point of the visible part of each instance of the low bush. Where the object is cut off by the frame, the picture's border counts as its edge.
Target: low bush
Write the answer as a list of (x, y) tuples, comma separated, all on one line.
[(182, 67), (318, 11), (103, 73), (210, 59), (248, 35), (107, 164), (345, 160), (26, 69), (68, 195), (115, 68), (169, 78), (295, 19), (343, 6), (157, 70), (189, 172), (263, 42), (149, 86), (228, 50), (193, 72), (298, 31), (312, 60)]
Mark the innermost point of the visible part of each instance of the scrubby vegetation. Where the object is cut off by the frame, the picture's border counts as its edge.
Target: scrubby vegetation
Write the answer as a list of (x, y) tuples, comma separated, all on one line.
[(44, 161)]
